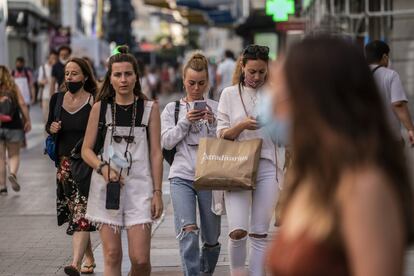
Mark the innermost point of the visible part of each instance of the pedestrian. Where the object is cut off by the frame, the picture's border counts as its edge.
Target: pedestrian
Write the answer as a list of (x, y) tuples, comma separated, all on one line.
[(154, 82), (14, 122), (23, 77), (127, 176), (391, 89), (44, 79), (58, 69), (225, 71), (193, 123), (237, 120), (348, 189), (78, 96)]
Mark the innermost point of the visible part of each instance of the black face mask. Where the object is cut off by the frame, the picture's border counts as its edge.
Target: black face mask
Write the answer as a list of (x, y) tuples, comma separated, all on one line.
[(74, 86), (19, 68)]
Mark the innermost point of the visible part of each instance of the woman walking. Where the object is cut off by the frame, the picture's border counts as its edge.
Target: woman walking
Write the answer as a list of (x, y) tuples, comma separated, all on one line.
[(193, 123), (125, 191), (237, 120), (349, 191), (14, 122), (78, 97)]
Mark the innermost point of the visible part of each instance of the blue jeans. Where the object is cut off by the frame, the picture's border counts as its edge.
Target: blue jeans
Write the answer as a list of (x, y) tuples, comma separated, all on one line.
[(184, 199)]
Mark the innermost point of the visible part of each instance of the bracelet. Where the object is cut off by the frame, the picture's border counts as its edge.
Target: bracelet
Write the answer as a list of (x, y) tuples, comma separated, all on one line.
[(157, 190), (100, 167)]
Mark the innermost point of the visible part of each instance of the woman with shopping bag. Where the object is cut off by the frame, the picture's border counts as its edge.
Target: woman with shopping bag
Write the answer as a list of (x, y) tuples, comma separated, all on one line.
[(249, 211), (183, 123)]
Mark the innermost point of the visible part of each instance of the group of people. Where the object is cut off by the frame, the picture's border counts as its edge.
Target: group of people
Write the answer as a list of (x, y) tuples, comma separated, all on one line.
[(346, 193)]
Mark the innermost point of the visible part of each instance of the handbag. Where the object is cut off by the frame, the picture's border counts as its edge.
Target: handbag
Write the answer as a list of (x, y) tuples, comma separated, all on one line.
[(169, 154), (227, 165), (50, 142), (82, 172)]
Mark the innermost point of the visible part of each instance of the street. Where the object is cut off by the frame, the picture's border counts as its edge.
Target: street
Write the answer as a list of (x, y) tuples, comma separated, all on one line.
[(31, 243)]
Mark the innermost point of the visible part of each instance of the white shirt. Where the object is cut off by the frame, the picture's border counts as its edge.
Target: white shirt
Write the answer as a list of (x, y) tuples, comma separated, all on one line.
[(225, 69), (185, 140), (45, 74), (231, 112), (391, 89)]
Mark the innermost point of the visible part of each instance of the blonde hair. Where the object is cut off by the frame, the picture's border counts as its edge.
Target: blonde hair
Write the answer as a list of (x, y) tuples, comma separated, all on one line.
[(7, 82), (198, 62)]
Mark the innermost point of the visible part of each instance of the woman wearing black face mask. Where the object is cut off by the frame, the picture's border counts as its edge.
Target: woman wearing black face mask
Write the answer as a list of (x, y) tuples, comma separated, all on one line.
[(76, 99)]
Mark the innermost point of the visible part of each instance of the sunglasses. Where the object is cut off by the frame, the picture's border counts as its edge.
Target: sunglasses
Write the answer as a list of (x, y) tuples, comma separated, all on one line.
[(128, 139), (256, 51)]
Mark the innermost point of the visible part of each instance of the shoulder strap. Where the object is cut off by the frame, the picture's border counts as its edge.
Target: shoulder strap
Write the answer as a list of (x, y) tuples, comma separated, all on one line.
[(176, 111), (58, 106), (147, 107), (375, 69), (102, 115)]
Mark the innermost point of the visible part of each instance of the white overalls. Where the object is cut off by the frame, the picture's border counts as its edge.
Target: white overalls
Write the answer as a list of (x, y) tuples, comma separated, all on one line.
[(136, 194)]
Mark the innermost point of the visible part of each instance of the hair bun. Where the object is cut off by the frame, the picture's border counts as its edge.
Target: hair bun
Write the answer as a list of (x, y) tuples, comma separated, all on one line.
[(123, 49)]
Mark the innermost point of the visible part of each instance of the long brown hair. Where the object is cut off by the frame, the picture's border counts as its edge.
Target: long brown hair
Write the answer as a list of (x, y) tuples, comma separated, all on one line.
[(7, 83), (90, 82), (107, 91), (332, 90)]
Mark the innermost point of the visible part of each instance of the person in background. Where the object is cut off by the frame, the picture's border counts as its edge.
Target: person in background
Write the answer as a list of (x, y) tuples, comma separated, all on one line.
[(45, 79), (249, 212), (58, 69), (348, 190), (225, 71), (78, 96), (23, 78), (12, 131), (131, 161), (192, 125), (391, 89)]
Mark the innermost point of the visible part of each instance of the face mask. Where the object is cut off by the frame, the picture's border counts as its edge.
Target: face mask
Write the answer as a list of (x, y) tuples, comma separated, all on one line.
[(117, 158), (278, 129), (250, 82), (63, 61), (74, 86), (19, 68)]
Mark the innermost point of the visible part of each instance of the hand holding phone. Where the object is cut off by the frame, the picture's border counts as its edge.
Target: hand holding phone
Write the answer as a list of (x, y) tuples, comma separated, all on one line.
[(200, 105)]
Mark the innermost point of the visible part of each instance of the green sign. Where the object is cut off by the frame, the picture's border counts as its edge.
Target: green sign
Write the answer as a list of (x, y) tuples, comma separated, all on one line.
[(280, 9)]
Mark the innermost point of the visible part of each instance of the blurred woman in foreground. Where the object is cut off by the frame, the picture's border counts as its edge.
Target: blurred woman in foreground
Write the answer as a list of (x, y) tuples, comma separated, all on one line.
[(349, 208)]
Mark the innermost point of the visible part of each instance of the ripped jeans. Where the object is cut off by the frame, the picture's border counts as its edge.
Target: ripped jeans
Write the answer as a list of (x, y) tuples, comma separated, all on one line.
[(184, 199)]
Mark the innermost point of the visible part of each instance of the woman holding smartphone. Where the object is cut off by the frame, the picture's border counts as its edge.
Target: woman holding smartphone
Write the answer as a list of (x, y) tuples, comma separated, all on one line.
[(125, 191), (196, 119)]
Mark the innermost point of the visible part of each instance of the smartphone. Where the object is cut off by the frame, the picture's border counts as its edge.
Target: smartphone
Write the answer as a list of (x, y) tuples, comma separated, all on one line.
[(200, 105), (113, 193)]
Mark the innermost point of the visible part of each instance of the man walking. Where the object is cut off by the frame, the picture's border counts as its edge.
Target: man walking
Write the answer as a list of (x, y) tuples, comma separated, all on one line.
[(58, 69), (390, 87), (23, 78), (44, 79), (225, 72)]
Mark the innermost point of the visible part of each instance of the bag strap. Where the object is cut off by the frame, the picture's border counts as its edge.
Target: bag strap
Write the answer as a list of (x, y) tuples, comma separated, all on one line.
[(244, 106), (58, 106), (176, 111), (375, 69)]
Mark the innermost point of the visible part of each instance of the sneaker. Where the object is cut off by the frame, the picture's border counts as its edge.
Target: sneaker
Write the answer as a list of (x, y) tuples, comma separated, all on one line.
[(14, 183), (3, 192)]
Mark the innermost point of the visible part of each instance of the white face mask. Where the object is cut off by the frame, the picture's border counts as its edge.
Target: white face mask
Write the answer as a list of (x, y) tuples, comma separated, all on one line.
[(117, 158)]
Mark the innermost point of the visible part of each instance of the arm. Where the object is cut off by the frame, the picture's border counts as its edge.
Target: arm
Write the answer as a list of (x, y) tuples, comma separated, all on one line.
[(403, 114), (27, 126), (172, 134), (156, 160), (41, 78), (52, 86), (372, 226), (218, 80), (89, 140)]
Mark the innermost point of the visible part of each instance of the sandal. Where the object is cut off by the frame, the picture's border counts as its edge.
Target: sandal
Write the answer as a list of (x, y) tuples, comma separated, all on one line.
[(3, 192), (13, 180), (88, 269), (71, 270)]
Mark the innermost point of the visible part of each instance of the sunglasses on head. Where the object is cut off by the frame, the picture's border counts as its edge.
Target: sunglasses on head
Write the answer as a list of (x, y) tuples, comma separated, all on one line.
[(256, 50), (128, 139)]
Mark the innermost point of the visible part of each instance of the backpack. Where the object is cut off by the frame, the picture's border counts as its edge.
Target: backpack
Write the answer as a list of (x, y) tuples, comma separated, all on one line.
[(169, 154), (50, 142), (8, 107), (82, 172)]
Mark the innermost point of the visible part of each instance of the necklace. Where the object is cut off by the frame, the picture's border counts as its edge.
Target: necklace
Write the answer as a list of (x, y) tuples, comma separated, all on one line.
[(124, 107)]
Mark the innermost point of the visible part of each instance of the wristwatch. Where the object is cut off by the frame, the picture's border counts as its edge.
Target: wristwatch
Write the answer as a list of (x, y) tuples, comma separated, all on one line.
[(100, 167)]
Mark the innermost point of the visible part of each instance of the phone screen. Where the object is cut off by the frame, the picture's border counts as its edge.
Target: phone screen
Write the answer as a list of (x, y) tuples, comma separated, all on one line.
[(200, 105)]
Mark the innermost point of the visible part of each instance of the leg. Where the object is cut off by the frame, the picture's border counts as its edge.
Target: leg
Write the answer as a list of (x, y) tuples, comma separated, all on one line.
[(238, 209), (13, 153), (264, 201), (210, 231), (183, 198), (112, 250), (80, 242), (3, 186), (139, 244)]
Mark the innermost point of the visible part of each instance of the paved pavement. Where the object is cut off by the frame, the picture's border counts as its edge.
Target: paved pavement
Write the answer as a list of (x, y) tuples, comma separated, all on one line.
[(31, 243)]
